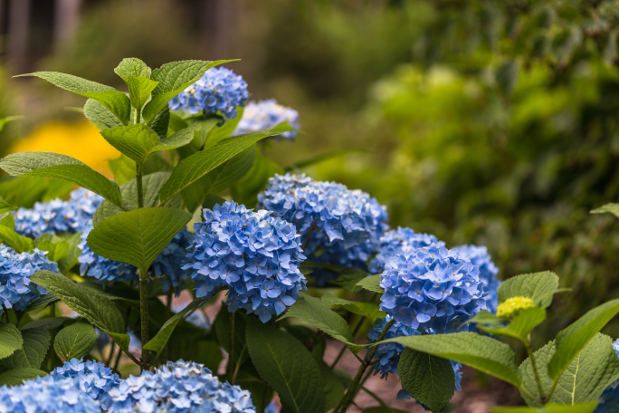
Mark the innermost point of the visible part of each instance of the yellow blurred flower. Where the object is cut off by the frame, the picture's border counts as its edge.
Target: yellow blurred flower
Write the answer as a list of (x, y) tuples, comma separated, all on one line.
[(80, 140)]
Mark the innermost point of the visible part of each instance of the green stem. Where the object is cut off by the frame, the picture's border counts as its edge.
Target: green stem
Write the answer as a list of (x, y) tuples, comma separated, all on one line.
[(143, 276), (238, 364), (230, 347), (535, 371), (109, 357), (138, 180)]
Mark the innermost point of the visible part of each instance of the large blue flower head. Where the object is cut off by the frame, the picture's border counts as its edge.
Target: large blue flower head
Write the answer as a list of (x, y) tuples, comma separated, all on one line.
[(610, 398), (16, 290), (57, 215), (431, 289), (256, 255), (46, 395), (178, 387), (387, 355), (265, 114), (91, 377), (338, 226), (167, 267), (392, 242), (219, 91), (487, 270)]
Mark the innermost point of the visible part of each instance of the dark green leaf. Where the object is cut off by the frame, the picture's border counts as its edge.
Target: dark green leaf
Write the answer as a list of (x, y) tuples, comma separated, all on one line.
[(35, 345), (74, 341), (159, 341), (10, 340), (18, 376)]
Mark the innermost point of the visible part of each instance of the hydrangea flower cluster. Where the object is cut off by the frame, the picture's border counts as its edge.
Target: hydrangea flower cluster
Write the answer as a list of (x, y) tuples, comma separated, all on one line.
[(610, 397), (16, 290), (220, 90), (167, 267), (91, 377), (46, 395), (432, 289), (177, 387), (256, 255), (58, 216), (265, 114), (479, 256), (338, 225)]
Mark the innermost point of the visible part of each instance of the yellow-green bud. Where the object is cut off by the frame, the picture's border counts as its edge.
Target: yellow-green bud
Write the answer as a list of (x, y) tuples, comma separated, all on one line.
[(512, 305)]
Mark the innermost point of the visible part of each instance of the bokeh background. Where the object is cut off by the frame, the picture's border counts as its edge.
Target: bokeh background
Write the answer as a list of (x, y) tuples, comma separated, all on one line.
[(484, 122)]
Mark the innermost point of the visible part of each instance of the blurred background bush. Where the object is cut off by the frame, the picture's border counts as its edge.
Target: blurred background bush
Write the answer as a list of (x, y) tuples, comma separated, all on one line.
[(483, 122)]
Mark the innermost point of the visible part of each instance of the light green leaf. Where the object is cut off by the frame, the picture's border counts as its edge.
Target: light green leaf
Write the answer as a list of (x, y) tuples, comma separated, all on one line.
[(135, 141), (137, 237), (608, 208), (371, 283), (132, 67), (284, 363), (140, 89), (8, 119), (63, 167), (18, 242), (184, 136), (94, 307), (370, 311), (74, 341), (322, 158), (485, 317), (520, 326), (480, 352), (584, 380), (318, 315), (549, 408), (159, 341), (572, 339), (10, 340), (199, 164), (173, 78), (429, 380), (99, 115), (35, 345), (539, 286), (117, 102), (16, 377)]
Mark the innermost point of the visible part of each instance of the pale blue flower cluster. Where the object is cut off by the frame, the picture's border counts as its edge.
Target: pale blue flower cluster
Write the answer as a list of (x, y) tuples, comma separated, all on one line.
[(610, 398), (58, 216), (256, 255), (265, 114), (46, 395), (177, 387), (16, 290), (219, 91), (479, 256), (338, 226), (100, 268), (91, 377)]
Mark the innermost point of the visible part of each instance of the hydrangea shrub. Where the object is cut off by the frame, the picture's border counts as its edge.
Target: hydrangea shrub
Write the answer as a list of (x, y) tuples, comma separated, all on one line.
[(164, 263)]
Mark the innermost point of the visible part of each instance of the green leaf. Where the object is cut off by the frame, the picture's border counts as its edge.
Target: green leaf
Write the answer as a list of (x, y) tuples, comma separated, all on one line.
[(140, 89), (117, 102), (520, 326), (246, 190), (63, 167), (159, 341), (225, 175), (99, 115), (96, 308), (75, 341), (592, 371), (137, 237), (226, 130), (132, 67), (323, 157), (370, 311), (135, 141), (371, 283), (18, 242), (318, 315), (199, 164), (35, 345), (549, 408), (429, 380), (8, 119), (382, 409), (485, 317), (608, 208), (161, 122), (480, 352), (287, 366), (173, 78), (10, 340), (539, 286), (571, 340), (16, 377)]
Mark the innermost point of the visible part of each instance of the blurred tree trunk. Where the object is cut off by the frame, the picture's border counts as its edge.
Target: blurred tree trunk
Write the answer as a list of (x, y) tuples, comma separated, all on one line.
[(17, 42), (218, 27), (66, 20)]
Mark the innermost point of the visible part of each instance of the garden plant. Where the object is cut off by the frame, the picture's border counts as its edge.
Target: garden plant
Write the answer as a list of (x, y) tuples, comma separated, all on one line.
[(196, 212)]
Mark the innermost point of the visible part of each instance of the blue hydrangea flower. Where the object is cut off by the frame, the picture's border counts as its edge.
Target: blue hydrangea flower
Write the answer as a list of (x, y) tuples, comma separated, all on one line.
[(265, 114), (487, 270), (167, 267), (219, 91), (610, 398), (338, 226), (432, 289), (178, 387), (46, 395), (58, 216), (256, 255), (272, 407), (91, 377), (16, 290), (392, 241)]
